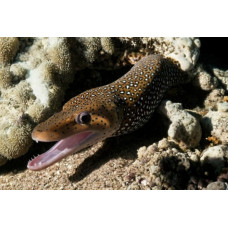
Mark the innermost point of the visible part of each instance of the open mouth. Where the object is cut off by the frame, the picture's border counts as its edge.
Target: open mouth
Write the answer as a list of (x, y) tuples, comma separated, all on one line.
[(60, 150)]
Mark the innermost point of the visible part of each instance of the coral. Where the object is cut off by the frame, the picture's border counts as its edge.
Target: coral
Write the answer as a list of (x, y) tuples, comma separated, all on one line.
[(37, 111), (185, 128), (107, 45), (32, 89), (215, 123), (58, 52), (5, 77), (15, 139), (18, 72), (215, 157), (21, 94), (93, 45), (8, 49)]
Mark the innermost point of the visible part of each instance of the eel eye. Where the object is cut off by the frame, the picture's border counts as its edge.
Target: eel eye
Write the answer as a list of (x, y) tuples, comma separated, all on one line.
[(83, 118)]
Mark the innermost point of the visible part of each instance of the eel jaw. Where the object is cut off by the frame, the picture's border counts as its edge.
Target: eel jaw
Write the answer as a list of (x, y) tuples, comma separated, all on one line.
[(61, 149)]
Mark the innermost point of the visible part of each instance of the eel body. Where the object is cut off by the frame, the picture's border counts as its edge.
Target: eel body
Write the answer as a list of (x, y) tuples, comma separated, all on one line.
[(111, 110)]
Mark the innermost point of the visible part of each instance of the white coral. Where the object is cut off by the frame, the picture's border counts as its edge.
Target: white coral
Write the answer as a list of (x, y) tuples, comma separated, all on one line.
[(39, 87)]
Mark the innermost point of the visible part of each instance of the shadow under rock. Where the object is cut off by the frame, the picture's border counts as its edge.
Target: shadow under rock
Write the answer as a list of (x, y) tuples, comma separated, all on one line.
[(197, 177), (176, 176), (211, 51), (190, 96)]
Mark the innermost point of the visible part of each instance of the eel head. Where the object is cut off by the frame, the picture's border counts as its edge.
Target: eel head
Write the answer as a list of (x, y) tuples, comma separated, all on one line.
[(74, 128)]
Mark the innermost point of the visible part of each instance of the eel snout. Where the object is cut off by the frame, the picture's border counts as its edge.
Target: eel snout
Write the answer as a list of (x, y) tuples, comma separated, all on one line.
[(62, 149)]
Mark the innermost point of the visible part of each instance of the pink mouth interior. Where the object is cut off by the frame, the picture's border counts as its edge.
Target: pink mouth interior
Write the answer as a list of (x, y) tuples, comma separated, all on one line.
[(61, 149)]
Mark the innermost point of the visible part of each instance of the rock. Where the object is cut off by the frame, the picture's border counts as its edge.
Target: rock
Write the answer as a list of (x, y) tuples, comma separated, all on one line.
[(183, 49), (213, 98), (194, 158), (141, 152), (215, 157), (163, 168), (222, 76), (204, 80), (2, 160), (154, 169), (218, 185), (163, 144), (223, 107), (185, 128), (215, 123)]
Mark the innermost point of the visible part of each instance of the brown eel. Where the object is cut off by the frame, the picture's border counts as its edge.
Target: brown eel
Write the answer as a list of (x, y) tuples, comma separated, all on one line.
[(111, 110)]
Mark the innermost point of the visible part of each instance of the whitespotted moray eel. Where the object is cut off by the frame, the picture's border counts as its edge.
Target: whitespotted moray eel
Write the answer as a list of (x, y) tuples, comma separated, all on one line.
[(111, 110)]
